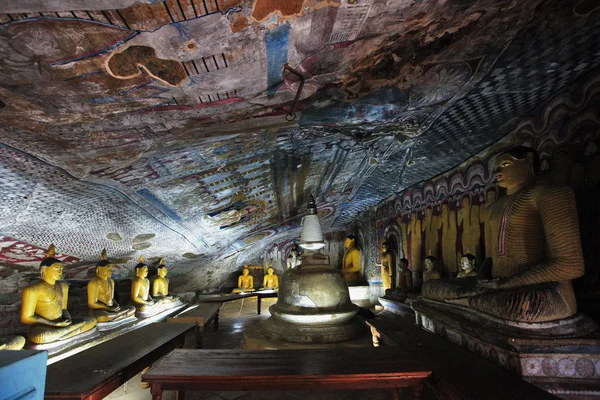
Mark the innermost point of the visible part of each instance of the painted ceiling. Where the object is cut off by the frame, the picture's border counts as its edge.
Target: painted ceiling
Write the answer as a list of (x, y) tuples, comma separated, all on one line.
[(164, 128)]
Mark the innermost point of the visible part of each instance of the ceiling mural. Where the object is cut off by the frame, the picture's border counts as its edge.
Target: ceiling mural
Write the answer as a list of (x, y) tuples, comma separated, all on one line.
[(159, 127)]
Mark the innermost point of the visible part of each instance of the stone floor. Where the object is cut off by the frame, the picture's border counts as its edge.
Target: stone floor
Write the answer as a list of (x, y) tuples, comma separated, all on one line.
[(236, 318)]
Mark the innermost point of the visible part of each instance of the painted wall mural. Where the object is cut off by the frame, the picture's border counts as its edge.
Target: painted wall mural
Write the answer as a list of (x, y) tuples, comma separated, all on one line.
[(566, 133)]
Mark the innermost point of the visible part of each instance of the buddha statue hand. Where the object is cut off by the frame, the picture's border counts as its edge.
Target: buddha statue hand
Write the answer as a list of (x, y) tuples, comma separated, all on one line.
[(492, 284)]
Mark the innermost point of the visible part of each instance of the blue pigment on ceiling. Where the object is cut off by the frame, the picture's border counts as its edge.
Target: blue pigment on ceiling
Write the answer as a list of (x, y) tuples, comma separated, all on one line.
[(277, 55)]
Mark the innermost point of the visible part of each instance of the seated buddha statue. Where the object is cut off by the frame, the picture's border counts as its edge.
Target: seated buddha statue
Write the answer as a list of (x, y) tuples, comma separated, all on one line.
[(430, 272), (538, 250), (245, 282), (12, 342), (140, 291), (270, 281), (44, 306), (293, 260), (160, 286), (405, 282), (467, 263), (351, 261), (101, 292)]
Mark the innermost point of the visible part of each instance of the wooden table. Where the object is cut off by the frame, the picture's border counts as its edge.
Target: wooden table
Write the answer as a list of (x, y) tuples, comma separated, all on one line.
[(301, 369), (259, 294), (202, 314), (96, 372)]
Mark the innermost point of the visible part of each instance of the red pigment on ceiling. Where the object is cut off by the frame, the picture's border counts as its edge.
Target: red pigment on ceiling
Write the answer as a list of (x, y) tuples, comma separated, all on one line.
[(239, 23), (265, 8)]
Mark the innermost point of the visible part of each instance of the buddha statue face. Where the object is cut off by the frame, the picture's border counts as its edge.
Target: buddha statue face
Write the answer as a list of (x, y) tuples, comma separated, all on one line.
[(465, 263), (402, 265), (428, 212), (162, 271), (52, 272), (428, 264), (348, 242), (104, 272), (142, 272), (270, 271), (511, 172), (245, 272), (384, 247)]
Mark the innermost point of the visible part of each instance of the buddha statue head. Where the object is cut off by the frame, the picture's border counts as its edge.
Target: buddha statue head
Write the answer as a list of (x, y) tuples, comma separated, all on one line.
[(270, 271), (444, 209), (162, 269), (104, 268), (51, 269), (245, 271), (384, 247), (516, 168), (349, 241), (429, 263), (467, 262), (403, 264), (141, 270)]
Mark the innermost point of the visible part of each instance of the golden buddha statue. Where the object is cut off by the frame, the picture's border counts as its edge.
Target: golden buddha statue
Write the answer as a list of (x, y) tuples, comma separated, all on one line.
[(160, 286), (12, 342), (467, 263), (271, 281), (538, 252), (351, 260), (430, 272), (388, 265), (140, 291), (101, 293), (44, 306), (245, 282)]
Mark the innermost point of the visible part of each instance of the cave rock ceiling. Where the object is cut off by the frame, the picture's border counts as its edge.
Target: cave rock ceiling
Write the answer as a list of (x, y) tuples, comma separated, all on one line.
[(159, 127)]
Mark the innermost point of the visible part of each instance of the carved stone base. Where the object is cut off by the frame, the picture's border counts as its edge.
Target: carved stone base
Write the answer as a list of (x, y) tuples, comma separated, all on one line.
[(278, 329), (60, 345), (107, 326), (395, 306), (562, 357)]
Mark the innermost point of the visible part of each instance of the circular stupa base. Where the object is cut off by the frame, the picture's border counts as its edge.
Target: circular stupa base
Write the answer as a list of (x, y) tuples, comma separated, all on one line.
[(278, 329)]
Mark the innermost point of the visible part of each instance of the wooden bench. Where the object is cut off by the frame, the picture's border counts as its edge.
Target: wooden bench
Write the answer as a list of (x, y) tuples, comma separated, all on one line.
[(300, 369), (457, 373), (96, 372), (201, 314)]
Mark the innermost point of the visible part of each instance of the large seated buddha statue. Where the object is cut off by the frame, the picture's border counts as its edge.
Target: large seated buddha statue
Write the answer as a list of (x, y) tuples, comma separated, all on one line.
[(144, 304), (538, 250), (245, 282), (101, 292), (270, 280), (160, 287), (44, 306)]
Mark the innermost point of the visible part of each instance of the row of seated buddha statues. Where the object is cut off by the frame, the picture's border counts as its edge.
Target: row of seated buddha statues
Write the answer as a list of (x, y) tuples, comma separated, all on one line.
[(246, 281), (44, 303), (145, 304)]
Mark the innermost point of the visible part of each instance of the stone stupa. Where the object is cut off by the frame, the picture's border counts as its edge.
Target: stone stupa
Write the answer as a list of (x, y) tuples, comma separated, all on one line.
[(314, 304)]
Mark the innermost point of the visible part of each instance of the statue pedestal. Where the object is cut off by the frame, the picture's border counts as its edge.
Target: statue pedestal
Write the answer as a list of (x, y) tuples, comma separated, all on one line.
[(106, 326), (398, 307), (60, 345), (562, 357), (360, 295)]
